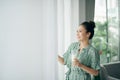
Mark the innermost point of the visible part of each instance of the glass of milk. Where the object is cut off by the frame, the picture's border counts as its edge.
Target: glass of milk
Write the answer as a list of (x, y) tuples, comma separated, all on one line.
[(73, 55)]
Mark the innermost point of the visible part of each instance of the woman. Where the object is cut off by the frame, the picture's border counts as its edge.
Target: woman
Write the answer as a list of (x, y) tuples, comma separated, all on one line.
[(86, 64)]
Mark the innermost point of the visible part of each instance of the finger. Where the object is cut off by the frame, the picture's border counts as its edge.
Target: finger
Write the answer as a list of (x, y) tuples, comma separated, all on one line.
[(59, 56)]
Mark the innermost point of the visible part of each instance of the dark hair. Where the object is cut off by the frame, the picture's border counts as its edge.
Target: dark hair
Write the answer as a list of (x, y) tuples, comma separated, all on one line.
[(89, 26)]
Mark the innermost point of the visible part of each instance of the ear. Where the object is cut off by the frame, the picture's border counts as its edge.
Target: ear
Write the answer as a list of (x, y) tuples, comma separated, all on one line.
[(88, 34)]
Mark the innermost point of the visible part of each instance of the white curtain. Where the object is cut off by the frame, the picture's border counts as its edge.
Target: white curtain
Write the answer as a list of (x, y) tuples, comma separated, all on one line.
[(28, 40), (32, 34), (67, 22)]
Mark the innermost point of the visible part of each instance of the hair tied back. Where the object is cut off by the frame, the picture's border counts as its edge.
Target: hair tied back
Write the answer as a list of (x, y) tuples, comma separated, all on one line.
[(92, 24)]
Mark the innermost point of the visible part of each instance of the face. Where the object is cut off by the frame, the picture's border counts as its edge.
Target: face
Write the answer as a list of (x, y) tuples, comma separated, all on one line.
[(82, 34)]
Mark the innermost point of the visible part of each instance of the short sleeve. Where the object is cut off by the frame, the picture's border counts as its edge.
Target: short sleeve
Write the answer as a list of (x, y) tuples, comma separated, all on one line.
[(95, 59), (66, 54)]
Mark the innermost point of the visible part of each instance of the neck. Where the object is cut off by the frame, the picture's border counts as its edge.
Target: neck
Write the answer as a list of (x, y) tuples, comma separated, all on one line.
[(84, 43)]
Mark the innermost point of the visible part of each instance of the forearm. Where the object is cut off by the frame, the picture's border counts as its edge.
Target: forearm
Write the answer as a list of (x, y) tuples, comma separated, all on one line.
[(89, 70)]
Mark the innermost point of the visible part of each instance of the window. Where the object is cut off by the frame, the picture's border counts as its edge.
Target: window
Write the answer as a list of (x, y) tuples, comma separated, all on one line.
[(107, 30)]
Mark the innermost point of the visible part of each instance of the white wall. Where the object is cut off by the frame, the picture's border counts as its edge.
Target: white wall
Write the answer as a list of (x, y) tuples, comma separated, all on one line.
[(28, 44)]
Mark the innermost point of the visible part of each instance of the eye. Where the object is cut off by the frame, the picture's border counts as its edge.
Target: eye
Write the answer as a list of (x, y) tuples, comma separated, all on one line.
[(80, 31)]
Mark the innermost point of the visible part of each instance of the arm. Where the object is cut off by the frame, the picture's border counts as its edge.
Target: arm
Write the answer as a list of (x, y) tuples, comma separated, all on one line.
[(61, 60), (85, 68), (89, 70)]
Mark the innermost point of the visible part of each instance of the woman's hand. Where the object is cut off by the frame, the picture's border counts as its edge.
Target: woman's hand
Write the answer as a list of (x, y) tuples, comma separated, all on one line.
[(60, 59), (76, 62)]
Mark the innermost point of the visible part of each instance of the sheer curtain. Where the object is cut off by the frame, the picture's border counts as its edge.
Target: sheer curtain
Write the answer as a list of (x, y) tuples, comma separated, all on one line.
[(32, 34), (67, 22), (28, 40)]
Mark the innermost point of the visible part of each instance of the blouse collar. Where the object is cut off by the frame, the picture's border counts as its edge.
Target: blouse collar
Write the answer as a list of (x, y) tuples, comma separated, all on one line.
[(85, 47)]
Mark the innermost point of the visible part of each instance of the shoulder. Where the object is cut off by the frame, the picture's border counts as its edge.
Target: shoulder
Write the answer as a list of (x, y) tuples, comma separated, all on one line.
[(93, 50)]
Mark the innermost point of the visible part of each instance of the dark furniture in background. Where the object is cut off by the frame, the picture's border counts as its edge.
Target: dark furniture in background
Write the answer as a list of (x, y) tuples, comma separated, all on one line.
[(110, 71)]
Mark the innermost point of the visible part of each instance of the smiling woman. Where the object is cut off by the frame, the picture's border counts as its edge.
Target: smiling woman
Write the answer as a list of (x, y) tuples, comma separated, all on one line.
[(86, 64)]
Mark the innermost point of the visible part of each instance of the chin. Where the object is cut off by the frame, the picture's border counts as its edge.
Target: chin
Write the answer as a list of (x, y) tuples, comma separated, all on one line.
[(78, 38)]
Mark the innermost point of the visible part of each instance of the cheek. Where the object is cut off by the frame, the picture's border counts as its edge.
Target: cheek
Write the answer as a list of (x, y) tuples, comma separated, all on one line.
[(79, 34), (82, 34)]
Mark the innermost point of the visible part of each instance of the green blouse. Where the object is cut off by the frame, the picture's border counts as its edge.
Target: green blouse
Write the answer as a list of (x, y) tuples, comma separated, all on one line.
[(89, 57)]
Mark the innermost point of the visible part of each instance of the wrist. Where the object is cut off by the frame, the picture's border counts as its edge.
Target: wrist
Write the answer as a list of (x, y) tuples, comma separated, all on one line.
[(80, 65)]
